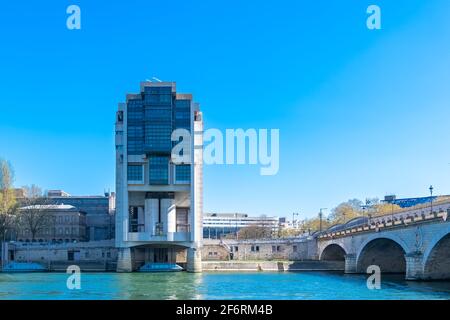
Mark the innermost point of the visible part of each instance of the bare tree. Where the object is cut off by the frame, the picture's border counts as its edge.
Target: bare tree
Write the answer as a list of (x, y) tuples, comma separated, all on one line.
[(255, 232), (35, 214)]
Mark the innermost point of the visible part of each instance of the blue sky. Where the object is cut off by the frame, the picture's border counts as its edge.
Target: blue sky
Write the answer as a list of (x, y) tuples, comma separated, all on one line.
[(361, 113)]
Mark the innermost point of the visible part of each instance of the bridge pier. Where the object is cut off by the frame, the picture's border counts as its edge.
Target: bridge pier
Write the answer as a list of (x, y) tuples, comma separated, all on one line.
[(350, 263), (414, 266), (124, 260)]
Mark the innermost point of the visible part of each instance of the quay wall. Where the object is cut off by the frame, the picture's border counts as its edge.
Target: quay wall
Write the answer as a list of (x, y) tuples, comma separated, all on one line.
[(271, 266)]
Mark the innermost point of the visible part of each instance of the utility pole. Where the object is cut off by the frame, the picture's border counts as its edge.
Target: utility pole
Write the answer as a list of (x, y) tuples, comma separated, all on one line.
[(431, 198)]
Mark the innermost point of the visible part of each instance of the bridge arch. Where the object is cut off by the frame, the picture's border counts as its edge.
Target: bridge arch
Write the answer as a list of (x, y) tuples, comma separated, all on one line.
[(333, 252), (386, 251), (436, 258)]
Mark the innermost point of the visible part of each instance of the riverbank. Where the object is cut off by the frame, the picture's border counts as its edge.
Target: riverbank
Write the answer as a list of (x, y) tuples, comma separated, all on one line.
[(252, 266)]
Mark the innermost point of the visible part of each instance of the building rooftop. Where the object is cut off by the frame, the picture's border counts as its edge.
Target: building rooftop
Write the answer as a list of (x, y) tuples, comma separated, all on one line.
[(49, 207)]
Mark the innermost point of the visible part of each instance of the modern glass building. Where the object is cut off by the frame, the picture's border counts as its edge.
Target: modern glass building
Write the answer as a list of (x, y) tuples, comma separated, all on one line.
[(159, 200), (221, 225)]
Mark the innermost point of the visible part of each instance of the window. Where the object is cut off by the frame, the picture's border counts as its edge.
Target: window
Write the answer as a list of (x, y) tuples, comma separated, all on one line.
[(135, 146), (135, 114), (135, 131), (135, 173), (158, 113), (183, 115), (255, 249), (159, 170), (294, 248), (158, 136), (183, 173)]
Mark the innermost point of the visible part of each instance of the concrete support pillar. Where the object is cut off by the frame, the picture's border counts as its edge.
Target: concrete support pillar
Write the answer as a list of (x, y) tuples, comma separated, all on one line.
[(350, 263), (171, 217), (414, 266), (194, 260), (141, 218), (124, 261), (151, 215), (168, 208)]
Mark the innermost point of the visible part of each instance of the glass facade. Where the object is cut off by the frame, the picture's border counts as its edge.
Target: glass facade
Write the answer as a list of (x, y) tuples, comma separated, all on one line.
[(134, 172), (135, 127), (158, 137), (159, 170), (183, 173), (152, 116)]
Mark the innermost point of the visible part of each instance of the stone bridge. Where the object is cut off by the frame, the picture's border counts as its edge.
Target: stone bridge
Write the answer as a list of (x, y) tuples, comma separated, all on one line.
[(418, 246)]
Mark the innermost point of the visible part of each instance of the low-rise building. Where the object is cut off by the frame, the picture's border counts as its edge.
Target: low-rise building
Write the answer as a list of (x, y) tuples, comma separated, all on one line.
[(51, 223), (100, 211)]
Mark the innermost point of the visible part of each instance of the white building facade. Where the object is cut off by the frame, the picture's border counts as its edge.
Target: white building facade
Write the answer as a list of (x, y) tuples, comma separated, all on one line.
[(159, 201)]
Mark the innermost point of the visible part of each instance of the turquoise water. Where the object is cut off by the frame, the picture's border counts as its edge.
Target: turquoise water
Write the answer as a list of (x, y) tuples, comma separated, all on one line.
[(182, 285)]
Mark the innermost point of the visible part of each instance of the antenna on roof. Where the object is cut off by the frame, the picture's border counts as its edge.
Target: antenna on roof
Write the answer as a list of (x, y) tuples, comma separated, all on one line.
[(156, 79)]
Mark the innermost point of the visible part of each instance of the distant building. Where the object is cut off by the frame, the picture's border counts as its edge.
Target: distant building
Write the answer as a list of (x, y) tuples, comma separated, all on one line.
[(218, 225), (99, 212), (63, 223), (57, 193), (410, 202)]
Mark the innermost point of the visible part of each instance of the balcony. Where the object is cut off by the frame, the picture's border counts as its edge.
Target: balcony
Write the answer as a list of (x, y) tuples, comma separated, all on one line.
[(169, 237)]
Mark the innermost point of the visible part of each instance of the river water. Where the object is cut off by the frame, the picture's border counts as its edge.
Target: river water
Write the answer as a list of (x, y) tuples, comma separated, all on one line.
[(182, 285)]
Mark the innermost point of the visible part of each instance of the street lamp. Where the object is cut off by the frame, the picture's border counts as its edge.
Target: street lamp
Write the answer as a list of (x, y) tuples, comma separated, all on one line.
[(293, 221), (431, 198)]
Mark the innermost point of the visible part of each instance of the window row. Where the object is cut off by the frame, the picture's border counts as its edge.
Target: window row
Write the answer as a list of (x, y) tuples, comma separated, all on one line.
[(158, 172)]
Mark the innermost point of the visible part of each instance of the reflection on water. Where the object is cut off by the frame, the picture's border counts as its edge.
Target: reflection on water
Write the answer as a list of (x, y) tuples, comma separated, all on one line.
[(182, 285), (164, 286)]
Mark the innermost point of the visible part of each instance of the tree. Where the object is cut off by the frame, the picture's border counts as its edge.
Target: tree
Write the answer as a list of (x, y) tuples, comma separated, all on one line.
[(7, 198), (313, 224), (346, 211), (34, 214), (385, 208), (255, 232)]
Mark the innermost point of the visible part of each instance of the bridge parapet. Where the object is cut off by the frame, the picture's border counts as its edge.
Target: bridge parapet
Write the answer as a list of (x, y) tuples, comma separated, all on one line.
[(378, 225)]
